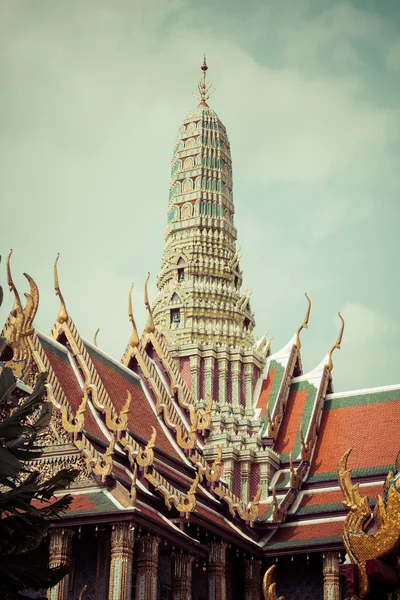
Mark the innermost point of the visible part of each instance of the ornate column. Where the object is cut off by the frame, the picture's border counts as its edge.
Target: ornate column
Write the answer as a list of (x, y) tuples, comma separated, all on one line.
[(209, 363), (217, 571), (147, 568), (252, 579), (245, 466), (195, 377), (222, 380), (248, 381), (182, 576), (60, 550), (122, 540), (331, 576), (236, 368)]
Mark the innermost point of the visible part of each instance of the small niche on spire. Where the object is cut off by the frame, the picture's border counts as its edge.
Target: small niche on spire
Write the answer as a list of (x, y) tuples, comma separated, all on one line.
[(175, 317), (181, 275)]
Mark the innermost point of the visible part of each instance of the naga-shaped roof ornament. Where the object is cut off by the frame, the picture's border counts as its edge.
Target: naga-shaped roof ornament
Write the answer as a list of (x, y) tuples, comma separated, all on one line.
[(150, 327), (304, 325), (134, 339), (17, 302), (95, 337), (329, 363), (204, 87), (63, 314)]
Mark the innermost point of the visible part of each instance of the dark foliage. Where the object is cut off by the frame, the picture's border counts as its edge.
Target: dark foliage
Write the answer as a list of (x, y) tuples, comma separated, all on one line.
[(26, 503)]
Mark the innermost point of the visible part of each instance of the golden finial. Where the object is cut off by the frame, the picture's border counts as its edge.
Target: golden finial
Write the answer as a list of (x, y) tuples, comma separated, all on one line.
[(134, 340), (17, 302), (204, 87), (32, 304), (95, 336), (82, 590), (62, 315), (329, 363), (304, 325), (150, 327)]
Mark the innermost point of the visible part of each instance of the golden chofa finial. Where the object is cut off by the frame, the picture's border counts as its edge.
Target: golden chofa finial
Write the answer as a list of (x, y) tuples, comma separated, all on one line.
[(95, 337), (134, 340), (150, 327), (304, 325), (204, 87), (17, 302), (62, 315), (329, 363)]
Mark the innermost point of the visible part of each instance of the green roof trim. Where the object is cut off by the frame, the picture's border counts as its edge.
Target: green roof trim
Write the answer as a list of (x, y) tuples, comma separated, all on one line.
[(363, 472), (53, 349), (361, 399), (306, 542), (102, 502), (326, 508)]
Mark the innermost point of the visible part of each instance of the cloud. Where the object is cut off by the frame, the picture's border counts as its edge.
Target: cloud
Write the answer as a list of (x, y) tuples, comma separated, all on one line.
[(92, 99)]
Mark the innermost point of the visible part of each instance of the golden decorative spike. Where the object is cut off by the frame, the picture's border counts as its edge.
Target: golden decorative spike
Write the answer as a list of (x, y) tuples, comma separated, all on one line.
[(32, 304), (269, 585), (329, 363), (17, 302), (103, 466), (145, 457), (134, 339), (304, 325), (81, 593), (254, 505), (150, 323), (204, 87), (62, 315), (213, 472), (95, 336)]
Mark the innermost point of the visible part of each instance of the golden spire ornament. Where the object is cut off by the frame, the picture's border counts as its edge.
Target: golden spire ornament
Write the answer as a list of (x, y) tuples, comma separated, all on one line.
[(329, 363), (63, 314), (304, 325), (204, 87), (134, 339)]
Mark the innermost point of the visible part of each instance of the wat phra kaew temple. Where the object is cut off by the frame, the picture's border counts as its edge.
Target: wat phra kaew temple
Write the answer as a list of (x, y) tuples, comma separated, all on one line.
[(204, 456)]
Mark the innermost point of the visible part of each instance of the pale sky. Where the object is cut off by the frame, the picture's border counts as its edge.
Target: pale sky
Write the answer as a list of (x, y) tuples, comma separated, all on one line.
[(92, 95)]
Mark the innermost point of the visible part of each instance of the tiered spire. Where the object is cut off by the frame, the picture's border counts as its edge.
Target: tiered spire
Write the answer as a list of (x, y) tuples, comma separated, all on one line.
[(199, 297)]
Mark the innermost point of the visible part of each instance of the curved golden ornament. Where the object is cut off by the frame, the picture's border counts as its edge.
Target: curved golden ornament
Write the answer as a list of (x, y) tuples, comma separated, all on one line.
[(204, 417), (329, 363), (103, 465), (75, 424), (17, 301), (63, 314), (187, 439), (304, 325), (118, 423), (134, 339), (214, 472), (306, 447), (269, 585), (95, 337), (32, 305), (273, 424), (81, 593), (145, 457), (150, 327), (360, 545), (176, 387)]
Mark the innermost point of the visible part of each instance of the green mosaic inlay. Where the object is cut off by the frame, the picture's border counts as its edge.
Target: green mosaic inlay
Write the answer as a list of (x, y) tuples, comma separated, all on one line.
[(370, 398), (49, 347), (305, 417), (364, 472), (306, 542), (111, 365), (102, 503)]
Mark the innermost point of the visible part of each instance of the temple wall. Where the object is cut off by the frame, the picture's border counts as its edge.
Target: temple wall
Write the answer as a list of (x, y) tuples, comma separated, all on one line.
[(298, 579)]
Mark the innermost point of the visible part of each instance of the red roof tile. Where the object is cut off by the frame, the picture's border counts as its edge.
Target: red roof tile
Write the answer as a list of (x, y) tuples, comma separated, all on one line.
[(291, 421), (303, 535), (265, 392), (365, 428), (141, 415), (67, 379)]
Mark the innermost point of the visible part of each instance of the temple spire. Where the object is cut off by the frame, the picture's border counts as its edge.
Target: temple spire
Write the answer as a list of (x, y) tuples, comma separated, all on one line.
[(204, 87)]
